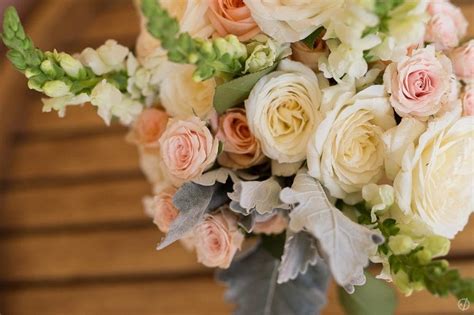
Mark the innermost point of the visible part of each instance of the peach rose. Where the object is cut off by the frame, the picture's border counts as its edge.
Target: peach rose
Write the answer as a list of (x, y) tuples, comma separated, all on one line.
[(468, 100), (419, 84), (309, 56), (188, 148), (217, 239), (276, 224), (232, 17), (446, 26), (162, 209), (148, 128), (463, 61), (241, 148)]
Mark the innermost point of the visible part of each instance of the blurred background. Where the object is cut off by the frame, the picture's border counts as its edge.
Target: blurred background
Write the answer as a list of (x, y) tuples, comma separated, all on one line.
[(73, 236)]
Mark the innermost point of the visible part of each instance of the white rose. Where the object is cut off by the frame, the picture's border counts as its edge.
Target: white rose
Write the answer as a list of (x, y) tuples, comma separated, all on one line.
[(291, 20), (108, 57), (435, 184), (347, 151), (180, 95), (283, 111)]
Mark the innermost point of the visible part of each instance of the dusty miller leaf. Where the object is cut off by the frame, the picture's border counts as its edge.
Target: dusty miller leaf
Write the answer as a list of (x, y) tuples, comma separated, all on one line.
[(219, 175), (346, 244), (252, 285), (193, 202), (300, 252), (382, 297), (234, 92), (263, 196)]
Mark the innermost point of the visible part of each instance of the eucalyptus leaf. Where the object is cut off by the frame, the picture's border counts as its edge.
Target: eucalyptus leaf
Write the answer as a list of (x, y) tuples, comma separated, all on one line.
[(382, 298), (193, 202), (300, 252), (346, 244), (252, 285), (235, 92)]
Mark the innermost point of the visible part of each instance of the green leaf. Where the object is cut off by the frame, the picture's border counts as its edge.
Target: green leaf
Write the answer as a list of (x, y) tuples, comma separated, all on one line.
[(311, 38), (376, 297), (234, 92)]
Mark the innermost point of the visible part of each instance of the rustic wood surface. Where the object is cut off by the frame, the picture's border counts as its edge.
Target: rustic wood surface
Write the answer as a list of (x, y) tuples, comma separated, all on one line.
[(74, 238)]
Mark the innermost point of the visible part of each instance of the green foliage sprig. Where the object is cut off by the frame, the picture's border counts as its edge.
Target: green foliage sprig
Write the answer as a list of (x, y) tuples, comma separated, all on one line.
[(52, 73), (218, 57), (434, 274)]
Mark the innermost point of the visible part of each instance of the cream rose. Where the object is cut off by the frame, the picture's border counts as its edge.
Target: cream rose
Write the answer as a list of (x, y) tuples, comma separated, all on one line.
[(283, 111), (435, 183), (217, 239), (347, 151), (468, 100), (419, 84), (241, 149), (232, 17), (291, 20), (148, 128), (463, 61), (187, 148), (162, 209), (446, 26), (180, 95)]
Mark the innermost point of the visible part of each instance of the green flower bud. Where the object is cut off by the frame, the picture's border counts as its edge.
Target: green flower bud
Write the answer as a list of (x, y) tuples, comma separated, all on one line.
[(424, 256), (263, 53), (31, 72), (437, 245), (401, 280), (401, 244), (34, 85), (56, 88), (240, 51), (47, 67), (70, 65)]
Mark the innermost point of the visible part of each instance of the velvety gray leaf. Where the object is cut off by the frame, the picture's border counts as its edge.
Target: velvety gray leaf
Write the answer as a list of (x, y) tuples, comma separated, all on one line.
[(193, 201), (300, 252), (252, 286), (235, 92), (248, 222), (340, 239), (219, 175), (382, 297)]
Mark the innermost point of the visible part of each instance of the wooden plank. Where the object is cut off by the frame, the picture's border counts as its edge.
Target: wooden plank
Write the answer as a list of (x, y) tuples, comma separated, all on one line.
[(72, 157), (96, 253), (182, 296), (84, 204)]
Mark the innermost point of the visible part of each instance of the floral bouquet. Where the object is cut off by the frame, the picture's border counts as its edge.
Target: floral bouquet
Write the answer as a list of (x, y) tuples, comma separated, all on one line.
[(322, 134)]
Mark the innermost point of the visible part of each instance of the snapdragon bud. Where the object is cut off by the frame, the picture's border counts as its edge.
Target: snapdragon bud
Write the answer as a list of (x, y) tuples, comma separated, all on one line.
[(70, 65), (47, 67), (424, 256), (401, 244), (436, 245), (402, 281), (56, 88)]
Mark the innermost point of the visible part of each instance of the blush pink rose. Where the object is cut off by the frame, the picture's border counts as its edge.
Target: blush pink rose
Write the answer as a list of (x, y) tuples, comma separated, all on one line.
[(274, 225), (463, 61), (468, 100), (446, 26), (232, 17), (162, 209), (217, 239), (149, 127), (188, 148), (419, 84), (241, 148)]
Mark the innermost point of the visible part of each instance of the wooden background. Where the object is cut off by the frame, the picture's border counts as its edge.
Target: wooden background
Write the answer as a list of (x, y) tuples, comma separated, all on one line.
[(74, 239)]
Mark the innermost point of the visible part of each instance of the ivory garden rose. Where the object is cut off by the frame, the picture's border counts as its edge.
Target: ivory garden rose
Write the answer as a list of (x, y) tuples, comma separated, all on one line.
[(217, 239), (468, 100), (241, 149), (232, 17), (347, 152), (434, 185), (188, 148), (291, 20), (419, 84), (283, 111)]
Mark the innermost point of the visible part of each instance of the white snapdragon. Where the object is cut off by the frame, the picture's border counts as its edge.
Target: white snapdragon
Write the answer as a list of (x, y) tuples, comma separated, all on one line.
[(108, 57), (140, 81)]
